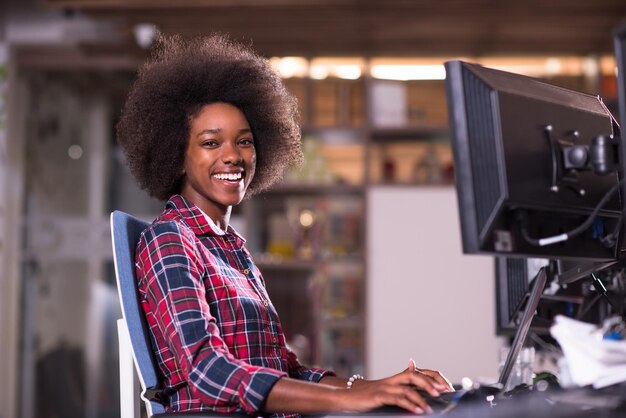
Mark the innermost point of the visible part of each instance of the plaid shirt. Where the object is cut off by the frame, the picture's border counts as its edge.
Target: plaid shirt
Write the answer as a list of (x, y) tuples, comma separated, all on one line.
[(217, 337)]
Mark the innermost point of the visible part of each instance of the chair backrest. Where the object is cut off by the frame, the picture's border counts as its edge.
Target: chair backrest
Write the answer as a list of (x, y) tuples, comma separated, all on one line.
[(125, 231)]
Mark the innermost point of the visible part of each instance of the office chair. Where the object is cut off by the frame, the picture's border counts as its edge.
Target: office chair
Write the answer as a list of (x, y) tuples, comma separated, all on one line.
[(134, 340), (132, 330)]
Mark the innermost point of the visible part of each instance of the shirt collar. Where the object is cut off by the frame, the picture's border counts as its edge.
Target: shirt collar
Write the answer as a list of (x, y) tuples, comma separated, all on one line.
[(216, 229), (198, 221)]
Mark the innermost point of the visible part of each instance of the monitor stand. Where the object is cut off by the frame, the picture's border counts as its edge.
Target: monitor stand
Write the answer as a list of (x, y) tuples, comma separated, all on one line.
[(524, 326)]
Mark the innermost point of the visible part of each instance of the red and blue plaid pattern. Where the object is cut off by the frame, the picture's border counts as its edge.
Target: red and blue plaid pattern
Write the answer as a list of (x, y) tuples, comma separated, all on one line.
[(217, 337)]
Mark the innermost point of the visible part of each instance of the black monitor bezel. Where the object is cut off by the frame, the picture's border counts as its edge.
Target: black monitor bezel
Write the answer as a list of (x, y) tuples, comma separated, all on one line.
[(463, 122)]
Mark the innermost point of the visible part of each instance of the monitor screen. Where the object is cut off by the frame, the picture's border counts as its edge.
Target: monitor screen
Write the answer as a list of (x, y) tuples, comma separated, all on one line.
[(513, 276), (536, 167)]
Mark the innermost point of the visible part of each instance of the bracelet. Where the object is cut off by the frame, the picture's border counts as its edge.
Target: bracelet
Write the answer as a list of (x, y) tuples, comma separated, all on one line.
[(352, 379)]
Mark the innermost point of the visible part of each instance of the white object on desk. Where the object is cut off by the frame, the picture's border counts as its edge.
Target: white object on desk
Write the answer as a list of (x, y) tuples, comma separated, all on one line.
[(590, 359)]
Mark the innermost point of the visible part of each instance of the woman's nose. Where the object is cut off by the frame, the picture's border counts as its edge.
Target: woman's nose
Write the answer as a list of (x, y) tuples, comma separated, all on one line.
[(231, 154)]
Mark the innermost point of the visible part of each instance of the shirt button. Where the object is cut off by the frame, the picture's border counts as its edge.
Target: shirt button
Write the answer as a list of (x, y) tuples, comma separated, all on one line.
[(265, 303), (274, 340), (246, 271)]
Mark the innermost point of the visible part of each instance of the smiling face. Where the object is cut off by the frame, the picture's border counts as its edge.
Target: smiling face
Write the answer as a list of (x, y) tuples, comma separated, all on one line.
[(220, 159)]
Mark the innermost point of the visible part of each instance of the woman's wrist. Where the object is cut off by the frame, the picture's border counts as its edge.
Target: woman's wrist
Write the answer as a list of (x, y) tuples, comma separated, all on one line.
[(352, 380)]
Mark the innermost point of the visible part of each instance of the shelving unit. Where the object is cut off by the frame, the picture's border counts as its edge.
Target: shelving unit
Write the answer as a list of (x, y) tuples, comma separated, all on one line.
[(309, 233), (308, 243)]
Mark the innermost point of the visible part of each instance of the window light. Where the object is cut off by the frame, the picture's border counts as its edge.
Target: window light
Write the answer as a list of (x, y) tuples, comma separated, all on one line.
[(409, 72), (349, 68), (289, 67)]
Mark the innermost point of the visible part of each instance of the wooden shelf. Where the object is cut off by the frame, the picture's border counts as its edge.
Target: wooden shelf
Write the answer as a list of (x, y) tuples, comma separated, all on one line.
[(336, 135), (411, 133), (349, 323), (265, 262), (315, 189), (411, 185)]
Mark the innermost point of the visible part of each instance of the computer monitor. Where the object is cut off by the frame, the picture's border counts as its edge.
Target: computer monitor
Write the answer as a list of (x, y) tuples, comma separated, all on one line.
[(513, 277), (537, 167), (538, 173)]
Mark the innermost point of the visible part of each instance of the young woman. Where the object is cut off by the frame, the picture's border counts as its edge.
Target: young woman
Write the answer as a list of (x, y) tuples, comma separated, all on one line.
[(206, 123)]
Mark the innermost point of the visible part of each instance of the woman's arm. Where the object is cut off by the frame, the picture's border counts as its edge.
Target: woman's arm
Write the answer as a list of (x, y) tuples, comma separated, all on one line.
[(331, 394)]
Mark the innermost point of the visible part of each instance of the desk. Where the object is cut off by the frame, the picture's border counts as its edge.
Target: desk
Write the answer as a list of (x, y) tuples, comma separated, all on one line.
[(569, 403)]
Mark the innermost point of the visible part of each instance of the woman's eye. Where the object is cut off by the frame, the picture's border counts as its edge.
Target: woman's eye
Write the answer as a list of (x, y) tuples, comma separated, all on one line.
[(209, 143), (247, 141)]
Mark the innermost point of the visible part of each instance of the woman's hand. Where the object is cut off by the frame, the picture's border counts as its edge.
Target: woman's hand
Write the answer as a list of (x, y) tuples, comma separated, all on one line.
[(398, 390), (435, 375)]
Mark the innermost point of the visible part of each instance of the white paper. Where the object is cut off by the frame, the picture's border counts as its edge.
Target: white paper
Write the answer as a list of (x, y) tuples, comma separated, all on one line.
[(591, 360)]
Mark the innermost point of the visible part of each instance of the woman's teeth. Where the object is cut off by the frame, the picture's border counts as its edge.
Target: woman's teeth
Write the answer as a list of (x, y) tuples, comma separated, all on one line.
[(228, 176)]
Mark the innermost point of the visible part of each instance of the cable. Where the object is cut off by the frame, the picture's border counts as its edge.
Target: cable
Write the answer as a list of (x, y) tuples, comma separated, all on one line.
[(601, 289), (541, 242), (611, 239), (602, 292)]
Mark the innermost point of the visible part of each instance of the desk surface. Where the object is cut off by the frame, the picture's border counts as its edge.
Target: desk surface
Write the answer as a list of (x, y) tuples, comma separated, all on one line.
[(569, 403)]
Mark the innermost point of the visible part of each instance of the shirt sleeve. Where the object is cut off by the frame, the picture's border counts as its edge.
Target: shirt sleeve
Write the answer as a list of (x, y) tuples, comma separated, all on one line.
[(298, 371), (172, 268)]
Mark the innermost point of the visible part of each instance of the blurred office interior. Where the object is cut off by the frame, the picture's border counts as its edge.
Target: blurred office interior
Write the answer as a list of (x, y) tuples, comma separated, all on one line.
[(360, 247)]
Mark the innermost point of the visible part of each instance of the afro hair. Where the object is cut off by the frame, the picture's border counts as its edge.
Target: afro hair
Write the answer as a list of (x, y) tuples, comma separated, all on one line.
[(176, 82)]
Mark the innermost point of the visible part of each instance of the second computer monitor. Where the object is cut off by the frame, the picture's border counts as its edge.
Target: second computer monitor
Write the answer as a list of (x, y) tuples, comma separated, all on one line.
[(536, 167)]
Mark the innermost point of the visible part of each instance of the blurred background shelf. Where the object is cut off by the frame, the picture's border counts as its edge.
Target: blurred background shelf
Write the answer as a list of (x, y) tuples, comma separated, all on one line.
[(311, 229), (411, 133), (312, 189)]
